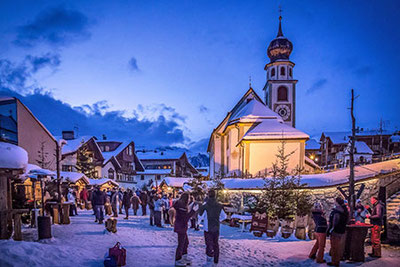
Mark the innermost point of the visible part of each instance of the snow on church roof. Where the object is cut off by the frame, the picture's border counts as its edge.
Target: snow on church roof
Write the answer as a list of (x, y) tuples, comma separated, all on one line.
[(253, 110), (274, 129)]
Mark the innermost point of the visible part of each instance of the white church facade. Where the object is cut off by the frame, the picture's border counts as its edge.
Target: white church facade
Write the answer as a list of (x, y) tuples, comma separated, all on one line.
[(246, 142)]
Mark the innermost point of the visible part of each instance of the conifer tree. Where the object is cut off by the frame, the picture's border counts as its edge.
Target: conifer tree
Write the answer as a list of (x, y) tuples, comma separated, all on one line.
[(84, 162), (198, 188)]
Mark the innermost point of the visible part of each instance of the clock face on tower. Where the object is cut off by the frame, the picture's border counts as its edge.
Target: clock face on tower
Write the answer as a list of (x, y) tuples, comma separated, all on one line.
[(283, 111)]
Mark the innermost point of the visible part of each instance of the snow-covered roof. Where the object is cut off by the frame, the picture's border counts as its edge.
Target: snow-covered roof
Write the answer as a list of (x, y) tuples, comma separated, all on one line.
[(338, 137), (313, 144), (12, 156), (73, 177), (360, 148), (175, 181), (157, 154), (253, 110), (155, 171), (102, 181), (274, 129), (323, 179), (74, 144), (109, 154)]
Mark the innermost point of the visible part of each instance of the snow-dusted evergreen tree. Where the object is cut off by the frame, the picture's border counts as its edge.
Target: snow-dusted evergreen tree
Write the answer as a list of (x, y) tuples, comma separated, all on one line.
[(279, 193), (302, 195), (198, 188), (42, 160), (84, 162)]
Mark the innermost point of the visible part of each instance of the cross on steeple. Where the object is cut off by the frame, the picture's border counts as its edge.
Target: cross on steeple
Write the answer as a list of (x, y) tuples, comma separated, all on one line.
[(280, 25), (249, 81), (280, 11)]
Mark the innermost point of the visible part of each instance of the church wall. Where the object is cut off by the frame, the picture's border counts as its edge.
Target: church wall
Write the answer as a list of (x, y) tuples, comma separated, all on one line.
[(263, 154), (234, 159)]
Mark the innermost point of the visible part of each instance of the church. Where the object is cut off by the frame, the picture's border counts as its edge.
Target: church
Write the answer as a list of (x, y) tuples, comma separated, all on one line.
[(246, 142)]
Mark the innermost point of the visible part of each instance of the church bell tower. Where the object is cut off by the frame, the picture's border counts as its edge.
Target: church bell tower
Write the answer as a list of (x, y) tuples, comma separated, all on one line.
[(280, 89)]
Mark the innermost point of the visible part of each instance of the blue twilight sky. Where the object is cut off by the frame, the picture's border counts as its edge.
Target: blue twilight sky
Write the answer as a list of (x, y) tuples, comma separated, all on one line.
[(175, 68)]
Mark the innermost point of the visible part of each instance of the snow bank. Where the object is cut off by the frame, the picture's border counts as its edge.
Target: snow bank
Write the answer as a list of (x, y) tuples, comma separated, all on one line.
[(12, 157)]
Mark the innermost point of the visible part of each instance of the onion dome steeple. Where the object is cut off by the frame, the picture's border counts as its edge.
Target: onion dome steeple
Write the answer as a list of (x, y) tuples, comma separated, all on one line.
[(279, 48)]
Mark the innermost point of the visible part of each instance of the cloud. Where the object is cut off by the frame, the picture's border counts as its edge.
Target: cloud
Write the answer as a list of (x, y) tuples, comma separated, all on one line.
[(97, 119), (133, 64), (47, 60), (203, 109), (318, 85), (15, 76), (56, 26)]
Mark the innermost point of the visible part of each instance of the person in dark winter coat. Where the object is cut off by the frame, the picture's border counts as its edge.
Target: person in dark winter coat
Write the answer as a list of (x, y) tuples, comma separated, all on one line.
[(126, 202), (99, 198), (376, 219), (337, 227), (321, 226), (151, 208), (114, 199), (360, 213), (212, 213), (144, 198), (135, 200), (183, 214)]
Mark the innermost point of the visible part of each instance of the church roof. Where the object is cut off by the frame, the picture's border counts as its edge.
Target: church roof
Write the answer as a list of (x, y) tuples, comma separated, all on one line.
[(273, 129), (253, 110)]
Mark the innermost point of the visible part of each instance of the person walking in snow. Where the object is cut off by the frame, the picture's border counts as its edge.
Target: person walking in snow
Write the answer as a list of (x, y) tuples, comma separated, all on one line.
[(114, 201), (71, 199), (183, 213), (144, 198), (321, 226), (158, 209), (166, 208), (212, 213), (120, 202), (151, 208), (99, 199), (135, 200), (126, 202), (84, 195), (337, 228)]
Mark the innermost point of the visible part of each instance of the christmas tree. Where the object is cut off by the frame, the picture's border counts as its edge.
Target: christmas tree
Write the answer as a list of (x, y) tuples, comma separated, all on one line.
[(84, 162), (198, 188)]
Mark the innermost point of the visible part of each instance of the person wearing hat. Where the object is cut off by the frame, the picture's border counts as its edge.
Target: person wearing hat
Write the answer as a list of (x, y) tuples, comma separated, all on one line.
[(336, 230), (360, 213), (321, 225), (376, 219)]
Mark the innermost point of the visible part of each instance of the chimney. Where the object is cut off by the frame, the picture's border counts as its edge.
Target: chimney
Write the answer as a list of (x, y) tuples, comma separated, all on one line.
[(68, 135), (104, 137)]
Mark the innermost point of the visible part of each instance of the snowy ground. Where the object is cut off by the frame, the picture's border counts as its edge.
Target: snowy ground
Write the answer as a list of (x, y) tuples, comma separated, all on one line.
[(84, 243)]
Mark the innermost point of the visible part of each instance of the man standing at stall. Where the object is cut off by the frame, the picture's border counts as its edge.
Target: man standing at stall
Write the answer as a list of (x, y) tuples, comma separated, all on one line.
[(376, 219)]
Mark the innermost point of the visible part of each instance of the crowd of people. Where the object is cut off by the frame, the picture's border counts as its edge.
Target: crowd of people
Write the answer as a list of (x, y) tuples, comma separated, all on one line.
[(335, 228), (185, 209)]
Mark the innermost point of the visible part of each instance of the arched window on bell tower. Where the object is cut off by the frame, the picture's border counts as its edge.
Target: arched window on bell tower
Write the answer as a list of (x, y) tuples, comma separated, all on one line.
[(282, 93), (282, 71), (273, 72)]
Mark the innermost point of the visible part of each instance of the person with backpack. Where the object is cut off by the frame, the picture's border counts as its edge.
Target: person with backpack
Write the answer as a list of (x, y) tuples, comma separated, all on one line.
[(337, 228), (321, 226), (212, 213), (183, 213), (376, 219)]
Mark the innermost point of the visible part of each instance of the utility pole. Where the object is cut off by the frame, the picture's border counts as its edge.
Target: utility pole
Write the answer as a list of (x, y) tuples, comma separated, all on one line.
[(58, 170), (351, 198)]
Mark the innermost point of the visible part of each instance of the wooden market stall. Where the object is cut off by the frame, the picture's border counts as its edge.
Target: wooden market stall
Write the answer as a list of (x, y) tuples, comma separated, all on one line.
[(13, 162)]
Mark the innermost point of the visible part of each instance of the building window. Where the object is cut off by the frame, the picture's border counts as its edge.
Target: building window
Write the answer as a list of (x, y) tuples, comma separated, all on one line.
[(290, 72), (142, 177), (272, 72), (282, 71), (110, 173), (130, 150), (67, 168), (282, 93), (158, 177), (8, 121)]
